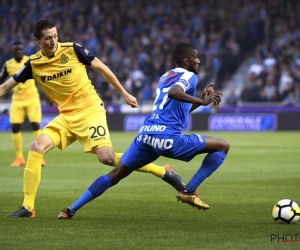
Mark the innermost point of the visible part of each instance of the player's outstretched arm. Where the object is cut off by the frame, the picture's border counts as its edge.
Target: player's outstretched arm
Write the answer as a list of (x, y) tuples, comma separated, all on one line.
[(112, 79), (176, 92), (7, 86)]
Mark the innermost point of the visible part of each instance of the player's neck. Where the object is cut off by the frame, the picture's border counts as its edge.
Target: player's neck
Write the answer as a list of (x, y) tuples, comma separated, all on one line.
[(47, 54), (19, 59)]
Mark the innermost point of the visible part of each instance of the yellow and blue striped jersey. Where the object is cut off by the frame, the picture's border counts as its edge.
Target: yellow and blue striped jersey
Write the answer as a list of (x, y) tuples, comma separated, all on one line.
[(63, 78), (21, 91)]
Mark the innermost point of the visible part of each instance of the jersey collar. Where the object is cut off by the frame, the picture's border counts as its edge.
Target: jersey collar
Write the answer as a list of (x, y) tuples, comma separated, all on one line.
[(180, 69)]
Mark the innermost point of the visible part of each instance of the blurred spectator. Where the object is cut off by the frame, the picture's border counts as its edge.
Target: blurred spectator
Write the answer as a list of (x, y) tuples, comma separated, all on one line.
[(258, 93), (262, 96), (290, 99), (285, 82), (269, 62), (135, 81), (246, 94), (270, 89), (257, 67), (232, 99)]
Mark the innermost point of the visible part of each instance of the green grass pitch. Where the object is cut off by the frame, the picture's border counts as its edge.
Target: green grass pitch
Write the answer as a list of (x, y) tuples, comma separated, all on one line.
[(141, 212)]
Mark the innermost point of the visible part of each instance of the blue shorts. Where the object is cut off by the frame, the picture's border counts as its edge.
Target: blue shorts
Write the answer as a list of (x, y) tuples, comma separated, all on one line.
[(145, 149)]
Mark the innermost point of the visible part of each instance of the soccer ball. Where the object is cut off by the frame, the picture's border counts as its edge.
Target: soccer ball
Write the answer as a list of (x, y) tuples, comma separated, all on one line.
[(286, 211)]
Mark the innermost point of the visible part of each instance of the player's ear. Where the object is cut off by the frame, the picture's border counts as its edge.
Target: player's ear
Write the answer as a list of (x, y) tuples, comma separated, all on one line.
[(185, 61), (37, 40)]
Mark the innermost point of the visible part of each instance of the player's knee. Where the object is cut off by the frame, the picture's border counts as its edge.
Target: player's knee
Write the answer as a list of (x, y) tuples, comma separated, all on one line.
[(225, 146), (35, 126), (16, 128), (36, 147), (106, 156), (106, 159)]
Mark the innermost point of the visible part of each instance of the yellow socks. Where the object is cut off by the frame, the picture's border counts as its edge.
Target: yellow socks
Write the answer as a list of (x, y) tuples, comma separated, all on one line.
[(18, 144), (149, 168), (32, 177), (36, 133)]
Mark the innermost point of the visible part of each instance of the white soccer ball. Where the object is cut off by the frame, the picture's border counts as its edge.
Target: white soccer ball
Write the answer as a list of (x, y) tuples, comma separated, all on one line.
[(286, 211)]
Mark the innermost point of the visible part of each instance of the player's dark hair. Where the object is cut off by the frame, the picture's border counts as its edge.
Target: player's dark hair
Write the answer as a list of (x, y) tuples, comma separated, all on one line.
[(180, 51), (41, 25), (17, 43)]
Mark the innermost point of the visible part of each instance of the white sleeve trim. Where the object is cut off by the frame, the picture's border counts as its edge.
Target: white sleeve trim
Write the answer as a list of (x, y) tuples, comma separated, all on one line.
[(181, 85), (184, 80)]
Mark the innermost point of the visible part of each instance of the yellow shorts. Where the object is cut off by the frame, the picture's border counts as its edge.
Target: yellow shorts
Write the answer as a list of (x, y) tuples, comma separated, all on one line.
[(89, 127), (20, 108)]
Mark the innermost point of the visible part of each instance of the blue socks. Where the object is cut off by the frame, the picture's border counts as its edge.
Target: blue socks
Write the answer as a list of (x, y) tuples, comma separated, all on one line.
[(97, 188), (210, 164)]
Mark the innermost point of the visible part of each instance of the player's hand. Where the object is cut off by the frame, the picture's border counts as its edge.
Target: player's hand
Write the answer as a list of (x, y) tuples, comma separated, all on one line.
[(207, 90), (131, 100), (214, 98)]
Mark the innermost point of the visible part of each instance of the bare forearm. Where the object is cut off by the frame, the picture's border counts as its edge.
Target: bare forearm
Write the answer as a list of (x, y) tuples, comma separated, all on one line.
[(3, 90), (178, 94), (6, 86)]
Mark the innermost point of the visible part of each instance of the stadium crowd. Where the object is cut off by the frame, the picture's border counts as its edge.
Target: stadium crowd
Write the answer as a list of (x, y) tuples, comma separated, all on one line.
[(134, 39), (274, 75)]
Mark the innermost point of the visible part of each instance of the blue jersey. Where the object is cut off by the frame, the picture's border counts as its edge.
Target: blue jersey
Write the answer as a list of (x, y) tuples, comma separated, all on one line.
[(168, 115), (161, 132)]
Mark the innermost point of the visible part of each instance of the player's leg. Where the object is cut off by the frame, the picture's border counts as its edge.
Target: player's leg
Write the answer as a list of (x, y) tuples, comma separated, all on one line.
[(97, 188), (96, 135), (192, 145), (16, 117), (216, 150), (165, 172), (158, 171), (53, 135), (34, 114), (132, 159), (32, 175), (36, 132)]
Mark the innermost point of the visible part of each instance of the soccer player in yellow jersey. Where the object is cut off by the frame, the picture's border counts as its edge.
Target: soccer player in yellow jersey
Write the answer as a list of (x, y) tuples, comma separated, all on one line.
[(59, 69), (25, 101)]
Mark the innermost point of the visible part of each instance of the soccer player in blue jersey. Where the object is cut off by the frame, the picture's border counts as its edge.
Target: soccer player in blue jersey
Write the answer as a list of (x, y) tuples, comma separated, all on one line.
[(161, 133)]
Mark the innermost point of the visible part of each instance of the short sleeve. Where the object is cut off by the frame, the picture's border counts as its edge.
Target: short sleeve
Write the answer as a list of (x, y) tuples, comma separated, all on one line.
[(24, 73), (187, 81), (83, 54)]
